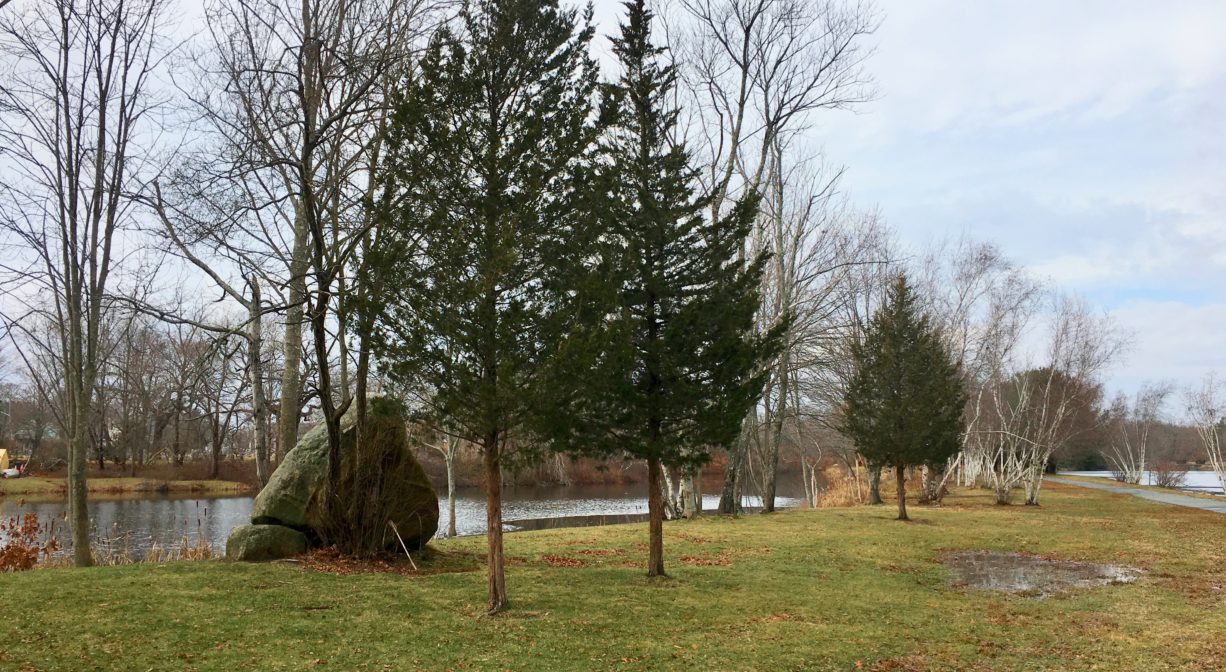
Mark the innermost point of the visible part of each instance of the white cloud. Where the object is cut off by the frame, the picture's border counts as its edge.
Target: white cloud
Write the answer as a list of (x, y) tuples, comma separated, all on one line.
[(945, 63), (1174, 341), (1087, 139)]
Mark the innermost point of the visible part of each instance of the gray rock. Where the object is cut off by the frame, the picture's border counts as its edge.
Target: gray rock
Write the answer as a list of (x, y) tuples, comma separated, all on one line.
[(256, 543), (300, 477), (294, 494)]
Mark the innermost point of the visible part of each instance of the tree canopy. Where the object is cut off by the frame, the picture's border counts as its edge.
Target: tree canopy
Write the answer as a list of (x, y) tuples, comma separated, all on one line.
[(482, 194), (675, 363), (904, 404)]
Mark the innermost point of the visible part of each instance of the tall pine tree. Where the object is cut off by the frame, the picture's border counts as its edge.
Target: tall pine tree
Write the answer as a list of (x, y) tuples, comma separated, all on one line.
[(904, 404), (487, 152), (679, 365)]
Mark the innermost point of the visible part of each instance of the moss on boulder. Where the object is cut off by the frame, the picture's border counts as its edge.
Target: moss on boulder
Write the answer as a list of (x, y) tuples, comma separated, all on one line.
[(294, 496), (256, 543)]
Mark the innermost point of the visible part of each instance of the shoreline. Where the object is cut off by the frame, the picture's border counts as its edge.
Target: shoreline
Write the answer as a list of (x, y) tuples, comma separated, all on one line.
[(1200, 494), (50, 488)]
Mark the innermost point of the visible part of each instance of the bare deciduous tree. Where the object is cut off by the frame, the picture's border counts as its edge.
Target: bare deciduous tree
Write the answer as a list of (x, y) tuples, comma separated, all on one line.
[(817, 246), (1029, 412), (757, 69), (755, 72), (296, 91), (870, 263), (75, 107), (448, 446), (1128, 451), (211, 229), (982, 302), (1206, 406)]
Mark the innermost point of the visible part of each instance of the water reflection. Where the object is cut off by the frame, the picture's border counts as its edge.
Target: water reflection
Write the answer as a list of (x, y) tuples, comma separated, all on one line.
[(1194, 481), (1028, 574), (132, 526)]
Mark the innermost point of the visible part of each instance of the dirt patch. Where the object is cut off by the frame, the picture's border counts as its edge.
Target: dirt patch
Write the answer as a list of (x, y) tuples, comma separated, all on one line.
[(911, 663), (1021, 574), (781, 617), (561, 561), (694, 538), (601, 551), (720, 560)]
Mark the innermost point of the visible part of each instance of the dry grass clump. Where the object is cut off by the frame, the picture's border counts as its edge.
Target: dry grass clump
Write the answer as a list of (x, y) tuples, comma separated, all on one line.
[(843, 487)]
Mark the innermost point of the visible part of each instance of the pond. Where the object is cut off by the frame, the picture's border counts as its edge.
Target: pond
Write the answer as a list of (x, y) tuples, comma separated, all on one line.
[(1194, 481), (132, 525)]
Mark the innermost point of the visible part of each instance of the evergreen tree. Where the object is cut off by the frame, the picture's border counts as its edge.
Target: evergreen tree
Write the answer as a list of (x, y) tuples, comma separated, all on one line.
[(679, 364), (904, 404), (487, 152)]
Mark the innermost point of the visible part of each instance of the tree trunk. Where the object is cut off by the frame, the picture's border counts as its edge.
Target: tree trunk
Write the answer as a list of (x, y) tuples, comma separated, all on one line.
[(342, 329), (1002, 494), (670, 497), (215, 453), (178, 450), (255, 363), (776, 438), (78, 513), (1033, 484), (655, 518), (1002, 485), (493, 521), (874, 484), (730, 496), (934, 486), (327, 404), (900, 474), (100, 450), (691, 494), (450, 460), (291, 375), (772, 479)]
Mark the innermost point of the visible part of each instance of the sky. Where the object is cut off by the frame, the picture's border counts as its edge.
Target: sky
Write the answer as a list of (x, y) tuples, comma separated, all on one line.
[(1086, 139)]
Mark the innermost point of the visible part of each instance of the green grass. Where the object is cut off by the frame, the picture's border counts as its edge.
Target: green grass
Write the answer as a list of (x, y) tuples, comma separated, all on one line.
[(41, 487), (834, 589)]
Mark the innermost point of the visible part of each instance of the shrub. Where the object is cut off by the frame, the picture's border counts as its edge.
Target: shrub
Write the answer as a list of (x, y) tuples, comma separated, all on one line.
[(1169, 475), (24, 540)]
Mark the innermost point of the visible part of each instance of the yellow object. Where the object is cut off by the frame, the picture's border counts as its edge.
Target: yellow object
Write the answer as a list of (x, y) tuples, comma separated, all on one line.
[(4, 459)]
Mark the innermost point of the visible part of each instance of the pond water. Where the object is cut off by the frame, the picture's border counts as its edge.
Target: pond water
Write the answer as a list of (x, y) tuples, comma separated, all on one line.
[(132, 525), (1194, 481)]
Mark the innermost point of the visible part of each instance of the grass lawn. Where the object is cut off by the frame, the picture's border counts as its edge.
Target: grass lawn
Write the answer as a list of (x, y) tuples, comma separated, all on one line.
[(833, 589), (41, 487)]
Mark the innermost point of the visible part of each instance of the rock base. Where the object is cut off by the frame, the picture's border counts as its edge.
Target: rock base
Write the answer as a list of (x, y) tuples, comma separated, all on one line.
[(257, 543)]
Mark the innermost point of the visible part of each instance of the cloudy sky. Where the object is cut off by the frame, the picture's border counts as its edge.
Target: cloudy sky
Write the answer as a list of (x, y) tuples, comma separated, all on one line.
[(1087, 139)]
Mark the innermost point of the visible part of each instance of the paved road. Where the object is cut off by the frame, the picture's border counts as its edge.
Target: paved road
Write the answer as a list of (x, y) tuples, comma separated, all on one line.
[(1216, 505)]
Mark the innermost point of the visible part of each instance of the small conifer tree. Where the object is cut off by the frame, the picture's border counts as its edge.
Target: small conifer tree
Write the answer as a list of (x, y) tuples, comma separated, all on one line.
[(904, 404)]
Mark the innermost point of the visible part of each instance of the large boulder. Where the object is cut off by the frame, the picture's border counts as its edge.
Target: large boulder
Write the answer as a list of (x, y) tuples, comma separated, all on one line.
[(256, 543), (295, 492)]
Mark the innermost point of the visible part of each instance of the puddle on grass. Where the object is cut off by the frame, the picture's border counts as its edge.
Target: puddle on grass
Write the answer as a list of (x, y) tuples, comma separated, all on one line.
[(1030, 575)]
